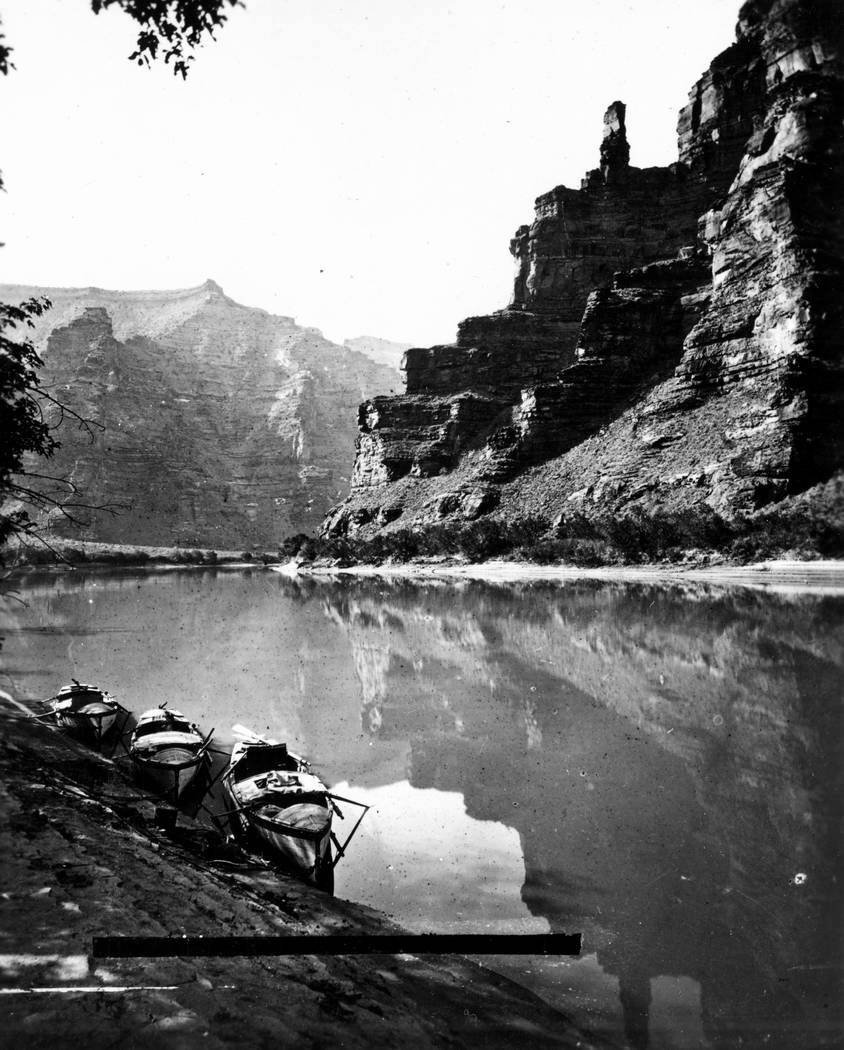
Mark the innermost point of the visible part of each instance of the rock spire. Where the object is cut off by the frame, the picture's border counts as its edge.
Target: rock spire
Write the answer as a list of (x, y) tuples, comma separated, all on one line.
[(615, 151)]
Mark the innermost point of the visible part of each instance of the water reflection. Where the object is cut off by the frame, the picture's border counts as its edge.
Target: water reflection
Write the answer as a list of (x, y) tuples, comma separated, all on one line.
[(656, 767), (670, 760)]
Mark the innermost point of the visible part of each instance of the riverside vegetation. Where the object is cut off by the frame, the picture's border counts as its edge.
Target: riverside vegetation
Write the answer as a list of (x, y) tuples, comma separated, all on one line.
[(795, 528)]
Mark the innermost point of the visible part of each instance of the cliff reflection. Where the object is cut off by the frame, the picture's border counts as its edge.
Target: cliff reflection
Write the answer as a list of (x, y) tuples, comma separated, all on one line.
[(654, 765), (669, 758)]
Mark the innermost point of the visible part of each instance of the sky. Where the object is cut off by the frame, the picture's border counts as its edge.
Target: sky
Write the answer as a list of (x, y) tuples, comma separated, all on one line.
[(358, 165)]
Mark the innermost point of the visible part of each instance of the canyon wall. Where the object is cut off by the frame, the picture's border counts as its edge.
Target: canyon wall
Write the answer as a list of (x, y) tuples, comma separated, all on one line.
[(211, 423), (673, 338)]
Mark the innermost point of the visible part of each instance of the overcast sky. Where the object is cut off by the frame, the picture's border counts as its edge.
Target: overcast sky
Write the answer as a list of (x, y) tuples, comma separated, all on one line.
[(359, 165)]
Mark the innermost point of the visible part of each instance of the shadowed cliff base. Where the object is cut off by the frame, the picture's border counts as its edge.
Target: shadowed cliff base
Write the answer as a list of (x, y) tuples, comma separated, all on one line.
[(807, 527), (672, 347)]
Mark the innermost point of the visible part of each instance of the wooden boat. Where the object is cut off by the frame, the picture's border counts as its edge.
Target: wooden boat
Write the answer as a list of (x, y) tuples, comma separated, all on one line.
[(84, 709), (168, 750), (287, 807)]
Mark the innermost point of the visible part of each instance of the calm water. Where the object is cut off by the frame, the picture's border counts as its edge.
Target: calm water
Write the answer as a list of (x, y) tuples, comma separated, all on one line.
[(657, 767)]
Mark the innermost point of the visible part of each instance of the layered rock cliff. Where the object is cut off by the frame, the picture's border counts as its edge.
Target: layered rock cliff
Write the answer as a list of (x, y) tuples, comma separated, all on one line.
[(673, 338), (214, 424)]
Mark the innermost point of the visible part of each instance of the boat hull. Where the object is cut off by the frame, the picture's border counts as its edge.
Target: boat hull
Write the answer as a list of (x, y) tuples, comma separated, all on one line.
[(285, 808), (92, 722), (84, 710), (170, 775), (167, 751), (309, 854)]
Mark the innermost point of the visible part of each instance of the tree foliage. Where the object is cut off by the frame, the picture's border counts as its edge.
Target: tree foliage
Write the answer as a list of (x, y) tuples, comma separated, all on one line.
[(29, 414), (5, 51), (29, 418), (21, 419), (171, 28)]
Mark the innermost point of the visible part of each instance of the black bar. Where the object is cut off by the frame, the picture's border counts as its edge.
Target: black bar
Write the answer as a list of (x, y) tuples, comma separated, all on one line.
[(340, 944)]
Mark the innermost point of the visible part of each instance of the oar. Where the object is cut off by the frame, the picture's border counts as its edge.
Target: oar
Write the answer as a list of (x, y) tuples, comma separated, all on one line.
[(45, 720), (49, 714), (206, 742), (245, 733), (341, 850), (351, 801), (122, 741), (120, 734)]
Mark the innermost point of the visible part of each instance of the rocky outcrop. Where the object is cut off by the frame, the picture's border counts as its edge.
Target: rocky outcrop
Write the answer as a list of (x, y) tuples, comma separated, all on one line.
[(674, 334), (213, 424), (409, 435)]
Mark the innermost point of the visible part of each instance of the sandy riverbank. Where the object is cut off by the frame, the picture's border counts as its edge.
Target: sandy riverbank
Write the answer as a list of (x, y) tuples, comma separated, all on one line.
[(802, 576), (782, 575), (83, 857)]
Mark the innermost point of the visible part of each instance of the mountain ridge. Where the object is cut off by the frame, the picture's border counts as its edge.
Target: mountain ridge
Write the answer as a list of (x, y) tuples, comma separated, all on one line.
[(223, 425)]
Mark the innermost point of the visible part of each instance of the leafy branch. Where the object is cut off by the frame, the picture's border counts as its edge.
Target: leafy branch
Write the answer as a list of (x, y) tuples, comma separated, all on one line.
[(173, 27), (29, 418)]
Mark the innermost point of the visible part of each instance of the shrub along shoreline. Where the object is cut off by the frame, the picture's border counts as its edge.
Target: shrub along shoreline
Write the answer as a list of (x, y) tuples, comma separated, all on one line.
[(76, 553), (634, 538), (797, 529)]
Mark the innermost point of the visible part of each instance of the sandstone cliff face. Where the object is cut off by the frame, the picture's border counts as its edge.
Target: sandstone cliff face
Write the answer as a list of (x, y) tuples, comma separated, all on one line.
[(222, 425), (674, 333)]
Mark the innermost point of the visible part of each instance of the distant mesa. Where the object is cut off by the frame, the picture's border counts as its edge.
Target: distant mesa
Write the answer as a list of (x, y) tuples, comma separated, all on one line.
[(224, 425), (384, 351)]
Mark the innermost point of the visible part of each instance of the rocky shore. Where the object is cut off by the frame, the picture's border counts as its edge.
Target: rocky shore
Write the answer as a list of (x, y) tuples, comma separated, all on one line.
[(84, 858)]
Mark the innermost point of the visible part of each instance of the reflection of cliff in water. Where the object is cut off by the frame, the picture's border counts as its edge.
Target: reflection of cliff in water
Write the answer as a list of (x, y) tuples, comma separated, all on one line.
[(669, 759)]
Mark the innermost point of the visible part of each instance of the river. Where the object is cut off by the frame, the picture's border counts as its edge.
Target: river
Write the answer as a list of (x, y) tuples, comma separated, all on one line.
[(655, 766)]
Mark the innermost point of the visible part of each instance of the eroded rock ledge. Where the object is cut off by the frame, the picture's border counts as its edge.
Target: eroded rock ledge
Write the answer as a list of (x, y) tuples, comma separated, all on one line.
[(674, 333)]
